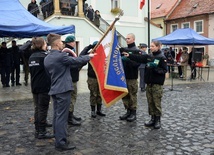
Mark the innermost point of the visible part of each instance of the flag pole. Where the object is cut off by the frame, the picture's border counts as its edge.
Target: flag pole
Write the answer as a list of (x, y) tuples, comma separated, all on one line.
[(148, 25), (109, 29)]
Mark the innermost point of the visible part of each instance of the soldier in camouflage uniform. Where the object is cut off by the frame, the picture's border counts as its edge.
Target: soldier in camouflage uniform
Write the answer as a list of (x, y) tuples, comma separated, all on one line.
[(95, 98), (155, 70), (131, 73), (70, 44)]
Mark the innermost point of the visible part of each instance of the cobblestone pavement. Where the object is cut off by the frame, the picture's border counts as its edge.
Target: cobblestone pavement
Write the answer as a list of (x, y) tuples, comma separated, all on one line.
[(187, 127)]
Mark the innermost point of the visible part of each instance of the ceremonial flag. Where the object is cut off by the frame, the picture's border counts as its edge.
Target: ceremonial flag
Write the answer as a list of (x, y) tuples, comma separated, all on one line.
[(108, 67), (142, 3)]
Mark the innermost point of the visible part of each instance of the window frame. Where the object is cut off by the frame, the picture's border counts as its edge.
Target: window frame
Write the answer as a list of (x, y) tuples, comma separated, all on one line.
[(186, 23), (171, 27), (202, 26)]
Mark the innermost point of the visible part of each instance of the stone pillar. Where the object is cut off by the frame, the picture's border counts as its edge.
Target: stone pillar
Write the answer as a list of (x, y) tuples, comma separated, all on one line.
[(80, 8), (56, 7)]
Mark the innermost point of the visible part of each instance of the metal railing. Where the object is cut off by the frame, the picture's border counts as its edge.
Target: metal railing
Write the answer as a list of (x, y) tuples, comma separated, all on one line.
[(47, 9)]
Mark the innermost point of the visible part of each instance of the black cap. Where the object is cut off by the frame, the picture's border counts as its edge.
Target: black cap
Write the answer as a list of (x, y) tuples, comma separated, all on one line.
[(141, 45)]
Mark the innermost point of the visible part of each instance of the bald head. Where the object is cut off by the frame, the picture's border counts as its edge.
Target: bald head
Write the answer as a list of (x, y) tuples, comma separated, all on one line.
[(130, 38)]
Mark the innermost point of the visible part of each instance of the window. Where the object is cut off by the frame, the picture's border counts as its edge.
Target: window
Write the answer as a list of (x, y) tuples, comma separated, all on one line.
[(198, 26), (115, 4), (185, 25), (174, 27)]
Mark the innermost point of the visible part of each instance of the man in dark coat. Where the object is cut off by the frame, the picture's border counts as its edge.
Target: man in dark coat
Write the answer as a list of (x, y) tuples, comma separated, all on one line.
[(16, 64), (6, 63), (33, 8)]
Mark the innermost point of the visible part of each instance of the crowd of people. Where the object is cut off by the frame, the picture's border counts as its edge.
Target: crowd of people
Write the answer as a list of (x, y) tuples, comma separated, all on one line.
[(10, 61), (46, 7), (181, 59), (54, 73), (67, 8)]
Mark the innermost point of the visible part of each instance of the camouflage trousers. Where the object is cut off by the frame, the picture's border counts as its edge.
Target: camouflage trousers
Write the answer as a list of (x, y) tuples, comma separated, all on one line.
[(73, 97), (154, 95), (130, 100), (93, 86)]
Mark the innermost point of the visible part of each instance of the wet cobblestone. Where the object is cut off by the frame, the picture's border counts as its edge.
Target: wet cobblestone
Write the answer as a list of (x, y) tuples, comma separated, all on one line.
[(187, 127)]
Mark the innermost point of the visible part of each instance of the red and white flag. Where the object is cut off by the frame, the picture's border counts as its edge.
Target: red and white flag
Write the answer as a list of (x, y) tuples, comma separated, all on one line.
[(108, 67), (142, 3)]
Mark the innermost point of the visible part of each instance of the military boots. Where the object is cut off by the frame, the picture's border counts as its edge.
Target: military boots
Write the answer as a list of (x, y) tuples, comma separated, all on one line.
[(157, 124), (93, 113), (151, 122), (126, 115), (132, 117), (99, 111), (72, 120)]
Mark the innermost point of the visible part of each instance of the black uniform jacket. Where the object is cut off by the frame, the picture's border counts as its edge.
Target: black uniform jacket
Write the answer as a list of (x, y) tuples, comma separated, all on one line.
[(40, 81), (153, 74)]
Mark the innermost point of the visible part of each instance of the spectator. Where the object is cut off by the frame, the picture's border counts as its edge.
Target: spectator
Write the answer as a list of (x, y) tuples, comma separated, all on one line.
[(16, 64), (33, 8), (192, 65), (25, 55), (90, 13), (178, 61), (97, 18), (46, 7), (172, 52), (184, 62), (169, 59), (143, 48), (73, 7), (85, 6), (64, 8), (6, 63), (172, 60)]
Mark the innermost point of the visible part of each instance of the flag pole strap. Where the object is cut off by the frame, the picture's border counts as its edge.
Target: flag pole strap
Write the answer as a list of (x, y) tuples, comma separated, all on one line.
[(109, 29)]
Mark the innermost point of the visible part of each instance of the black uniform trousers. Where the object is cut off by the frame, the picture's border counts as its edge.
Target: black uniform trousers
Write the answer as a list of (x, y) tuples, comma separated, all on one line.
[(5, 75), (17, 69), (41, 105)]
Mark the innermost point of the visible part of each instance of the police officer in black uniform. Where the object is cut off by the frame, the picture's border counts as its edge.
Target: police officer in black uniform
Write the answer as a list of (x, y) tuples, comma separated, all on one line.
[(16, 64), (6, 64), (40, 86)]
